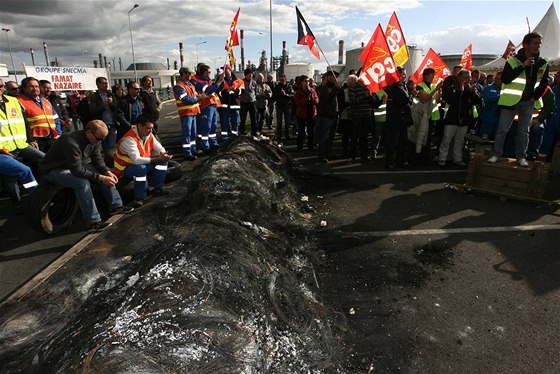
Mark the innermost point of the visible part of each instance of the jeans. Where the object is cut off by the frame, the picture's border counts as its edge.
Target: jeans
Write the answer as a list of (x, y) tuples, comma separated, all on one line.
[(323, 128), (84, 194), (536, 134), (359, 130), (305, 124), (12, 172), (524, 109), (285, 113), (261, 117), (139, 173), (250, 108), (188, 135)]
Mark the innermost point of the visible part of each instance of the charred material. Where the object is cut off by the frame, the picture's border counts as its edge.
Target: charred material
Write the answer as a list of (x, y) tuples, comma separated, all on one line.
[(216, 280)]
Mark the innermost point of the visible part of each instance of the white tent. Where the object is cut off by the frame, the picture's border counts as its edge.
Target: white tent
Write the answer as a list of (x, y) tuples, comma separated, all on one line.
[(549, 27)]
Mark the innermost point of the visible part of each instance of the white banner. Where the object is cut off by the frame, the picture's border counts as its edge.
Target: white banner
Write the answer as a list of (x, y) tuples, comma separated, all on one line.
[(67, 78)]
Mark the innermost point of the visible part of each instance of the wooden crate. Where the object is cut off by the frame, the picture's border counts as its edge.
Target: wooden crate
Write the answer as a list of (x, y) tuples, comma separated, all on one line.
[(555, 163), (506, 177)]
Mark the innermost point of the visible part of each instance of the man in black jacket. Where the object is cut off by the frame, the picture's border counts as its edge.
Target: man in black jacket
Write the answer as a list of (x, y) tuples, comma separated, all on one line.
[(103, 106), (152, 103), (399, 118), (75, 161)]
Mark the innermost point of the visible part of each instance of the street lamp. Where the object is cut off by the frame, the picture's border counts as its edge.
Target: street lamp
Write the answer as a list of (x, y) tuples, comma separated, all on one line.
[(11, 56), (197, 44), (271, 57), (132, 42)]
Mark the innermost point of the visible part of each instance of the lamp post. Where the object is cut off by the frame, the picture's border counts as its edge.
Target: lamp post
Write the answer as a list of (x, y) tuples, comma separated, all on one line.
[(132, 42), (197, 44), (271, 57), (11, 56)]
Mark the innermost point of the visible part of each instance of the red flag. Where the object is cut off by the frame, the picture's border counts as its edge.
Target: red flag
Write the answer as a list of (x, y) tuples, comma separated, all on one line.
[(510, 51), (366, 49), (466, 59), (305, 36), (232, 39), (395, 41), (379, 69), (432, 60)]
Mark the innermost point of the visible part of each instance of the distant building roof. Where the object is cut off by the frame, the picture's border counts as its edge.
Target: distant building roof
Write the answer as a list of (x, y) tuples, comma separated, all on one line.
[(147, 66)]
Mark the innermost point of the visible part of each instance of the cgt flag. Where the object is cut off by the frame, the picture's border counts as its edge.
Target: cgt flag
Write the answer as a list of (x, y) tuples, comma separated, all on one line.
[(396, 42), (466, 59), (379, 69), (510, 51), (432, 60), (232, 39), (305, 36)]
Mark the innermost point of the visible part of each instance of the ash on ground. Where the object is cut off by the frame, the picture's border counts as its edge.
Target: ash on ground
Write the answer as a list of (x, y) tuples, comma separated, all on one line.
[(219, 279)]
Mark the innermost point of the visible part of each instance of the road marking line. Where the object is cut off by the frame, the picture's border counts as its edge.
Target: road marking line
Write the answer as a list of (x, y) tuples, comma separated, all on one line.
[(471, 230), (334, 172)]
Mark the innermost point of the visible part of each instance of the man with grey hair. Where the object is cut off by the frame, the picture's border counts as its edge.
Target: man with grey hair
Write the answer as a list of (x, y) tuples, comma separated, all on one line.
[(459, 99)]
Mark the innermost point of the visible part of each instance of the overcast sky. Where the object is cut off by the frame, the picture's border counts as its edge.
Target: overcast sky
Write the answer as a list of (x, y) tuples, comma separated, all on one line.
[(76, 31)]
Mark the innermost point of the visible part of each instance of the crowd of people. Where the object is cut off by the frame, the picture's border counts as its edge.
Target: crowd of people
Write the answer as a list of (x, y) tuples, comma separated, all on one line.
[(110, 135)]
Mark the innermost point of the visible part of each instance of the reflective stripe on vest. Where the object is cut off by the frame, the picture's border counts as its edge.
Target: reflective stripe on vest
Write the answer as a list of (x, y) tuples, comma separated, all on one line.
[(122, 160), (40, 118), (435, 106), (185, 109), (212, 99), (511, 92), (380, 113), (13, 135)]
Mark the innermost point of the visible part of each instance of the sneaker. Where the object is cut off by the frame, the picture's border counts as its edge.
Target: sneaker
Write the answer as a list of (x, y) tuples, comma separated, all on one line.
[(136, 204), (98, 226), (121, 210), (522, 162), (263, 137), (459, 163), (493, 159), (158, 192), (441, 163)]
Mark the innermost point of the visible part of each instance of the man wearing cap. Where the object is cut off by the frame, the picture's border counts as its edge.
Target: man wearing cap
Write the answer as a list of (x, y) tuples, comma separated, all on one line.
[(188, 106), (207, 120), (230, 89)]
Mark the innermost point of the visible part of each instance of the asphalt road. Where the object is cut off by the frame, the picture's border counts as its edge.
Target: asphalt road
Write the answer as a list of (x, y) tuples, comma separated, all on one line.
[(426, 278)]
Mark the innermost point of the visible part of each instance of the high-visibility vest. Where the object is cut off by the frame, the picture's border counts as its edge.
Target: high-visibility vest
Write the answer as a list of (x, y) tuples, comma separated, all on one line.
[(40, 118), (213, 99), (185, 109), (235, 85), (380, 113), (13, 135), (122, 160), (511, 92), (435, 106), (539, 104)]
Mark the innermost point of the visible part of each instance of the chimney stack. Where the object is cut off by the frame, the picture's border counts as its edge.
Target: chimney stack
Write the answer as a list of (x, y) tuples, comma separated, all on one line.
[(242, 50), (181, 53), (340, 51)]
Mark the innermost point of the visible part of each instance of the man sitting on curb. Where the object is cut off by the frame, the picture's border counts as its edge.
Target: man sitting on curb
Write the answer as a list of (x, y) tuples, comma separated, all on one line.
[(139, 153), (75, 160)]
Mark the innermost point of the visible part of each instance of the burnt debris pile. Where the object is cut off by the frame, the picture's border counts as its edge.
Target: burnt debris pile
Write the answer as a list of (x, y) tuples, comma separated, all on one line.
[(218, 280)]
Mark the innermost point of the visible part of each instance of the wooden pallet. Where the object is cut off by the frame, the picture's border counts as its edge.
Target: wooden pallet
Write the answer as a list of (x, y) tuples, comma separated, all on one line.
[(507, 177)]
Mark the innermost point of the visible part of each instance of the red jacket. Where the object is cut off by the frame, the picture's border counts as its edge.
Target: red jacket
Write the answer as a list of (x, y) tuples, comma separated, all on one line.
[(306, 103)]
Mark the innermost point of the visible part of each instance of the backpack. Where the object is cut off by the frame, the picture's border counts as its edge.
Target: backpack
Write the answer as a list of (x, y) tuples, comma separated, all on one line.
[(82, 109)]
